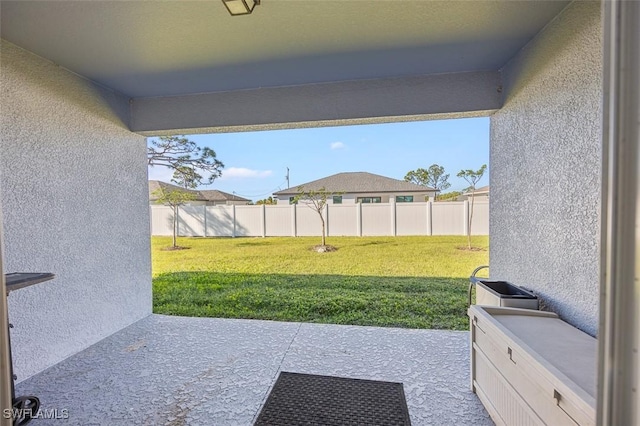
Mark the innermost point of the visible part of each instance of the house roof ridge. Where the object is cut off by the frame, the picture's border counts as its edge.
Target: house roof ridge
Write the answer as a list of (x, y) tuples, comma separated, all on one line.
[(201, 194), (358, 182)]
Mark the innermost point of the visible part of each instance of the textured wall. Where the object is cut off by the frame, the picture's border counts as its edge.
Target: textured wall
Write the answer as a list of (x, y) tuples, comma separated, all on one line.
[(545, 167), (75, 203)]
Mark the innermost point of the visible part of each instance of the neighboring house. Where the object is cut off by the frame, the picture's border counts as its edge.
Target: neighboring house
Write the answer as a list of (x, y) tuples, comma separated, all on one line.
[(481, 193), (209, 197), (361, 187)]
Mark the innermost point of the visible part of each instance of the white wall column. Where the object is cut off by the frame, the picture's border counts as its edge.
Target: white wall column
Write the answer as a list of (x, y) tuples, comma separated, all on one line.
[(5, 361), (548, 136), (429, 218), (619, 326), (103, 274), (263, 220)]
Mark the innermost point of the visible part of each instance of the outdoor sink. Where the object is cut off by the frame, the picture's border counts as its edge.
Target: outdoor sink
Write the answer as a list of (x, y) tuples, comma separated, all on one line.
[(503, 293)]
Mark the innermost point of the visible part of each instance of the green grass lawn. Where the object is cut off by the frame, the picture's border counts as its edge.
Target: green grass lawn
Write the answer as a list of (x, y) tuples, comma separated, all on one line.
[(416, 282)]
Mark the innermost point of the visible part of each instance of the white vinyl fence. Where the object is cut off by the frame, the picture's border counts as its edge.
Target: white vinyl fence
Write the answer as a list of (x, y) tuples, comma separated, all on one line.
[(440, 218)]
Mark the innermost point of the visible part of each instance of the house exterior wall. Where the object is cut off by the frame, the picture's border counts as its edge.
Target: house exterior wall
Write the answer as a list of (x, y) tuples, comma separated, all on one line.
[(351, 198), (548, 136), (209, 203), (75, 203)]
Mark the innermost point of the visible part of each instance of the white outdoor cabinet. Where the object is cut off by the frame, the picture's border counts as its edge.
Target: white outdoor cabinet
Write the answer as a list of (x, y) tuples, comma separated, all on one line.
[(531, 368)]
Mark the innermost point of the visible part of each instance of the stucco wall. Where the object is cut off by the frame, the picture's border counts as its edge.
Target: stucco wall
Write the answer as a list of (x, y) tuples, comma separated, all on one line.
[(75, 203), (545, 167)]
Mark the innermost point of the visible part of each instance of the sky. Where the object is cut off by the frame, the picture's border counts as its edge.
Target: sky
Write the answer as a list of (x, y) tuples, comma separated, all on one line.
[(256, 162)]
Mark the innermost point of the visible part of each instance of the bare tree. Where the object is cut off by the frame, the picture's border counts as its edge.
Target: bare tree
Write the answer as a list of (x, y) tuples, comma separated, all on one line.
[(174, 199), (317, 200), (472, 177)]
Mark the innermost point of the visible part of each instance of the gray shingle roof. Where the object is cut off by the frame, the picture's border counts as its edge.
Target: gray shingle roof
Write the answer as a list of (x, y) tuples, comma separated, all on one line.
[(357, 182), (201, 195), (155, 185), (215, 195)]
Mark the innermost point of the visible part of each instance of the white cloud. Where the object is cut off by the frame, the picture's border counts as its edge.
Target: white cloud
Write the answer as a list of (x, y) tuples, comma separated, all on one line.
[(243, 173), (163, 174), (337, 145)]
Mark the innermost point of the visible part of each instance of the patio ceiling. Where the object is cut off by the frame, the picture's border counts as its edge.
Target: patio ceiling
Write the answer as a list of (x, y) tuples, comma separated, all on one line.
[(168, 49)]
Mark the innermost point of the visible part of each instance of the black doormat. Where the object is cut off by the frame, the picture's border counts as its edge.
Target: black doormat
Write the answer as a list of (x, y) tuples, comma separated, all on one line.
[(306, 399)]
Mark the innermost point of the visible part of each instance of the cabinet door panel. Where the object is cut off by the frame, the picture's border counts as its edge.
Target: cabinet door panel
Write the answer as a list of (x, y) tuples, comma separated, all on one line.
[(503, 403)]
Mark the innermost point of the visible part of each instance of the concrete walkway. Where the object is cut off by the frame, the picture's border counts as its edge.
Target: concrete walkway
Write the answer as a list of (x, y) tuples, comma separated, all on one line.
[(167, 370)]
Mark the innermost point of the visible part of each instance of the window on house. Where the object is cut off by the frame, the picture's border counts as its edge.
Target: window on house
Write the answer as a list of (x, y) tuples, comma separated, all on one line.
[(337, 199), (368, 200), (292, 200), (404, 199)]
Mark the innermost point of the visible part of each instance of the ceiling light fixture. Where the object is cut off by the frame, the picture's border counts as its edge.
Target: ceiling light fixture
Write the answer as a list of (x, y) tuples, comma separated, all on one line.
[(240, 7)]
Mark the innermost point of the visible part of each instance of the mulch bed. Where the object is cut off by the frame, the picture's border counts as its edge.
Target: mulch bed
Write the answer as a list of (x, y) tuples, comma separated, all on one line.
[(323, 249)]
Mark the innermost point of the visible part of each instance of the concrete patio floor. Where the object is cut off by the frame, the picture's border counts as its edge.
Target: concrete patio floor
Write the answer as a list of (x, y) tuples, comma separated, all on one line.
[(167, 370)]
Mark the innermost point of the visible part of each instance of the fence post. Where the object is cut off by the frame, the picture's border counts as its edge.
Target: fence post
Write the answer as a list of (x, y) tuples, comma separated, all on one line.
[(394, 225), (177, 213), (233, 210), (326, 219), (294, 219), (466, 217), (429, 218), (204, 209), (359, 219), (264, 220)]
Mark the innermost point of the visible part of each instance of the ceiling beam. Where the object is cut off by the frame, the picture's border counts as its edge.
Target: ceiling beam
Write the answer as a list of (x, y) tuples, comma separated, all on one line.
[(315, 105)]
